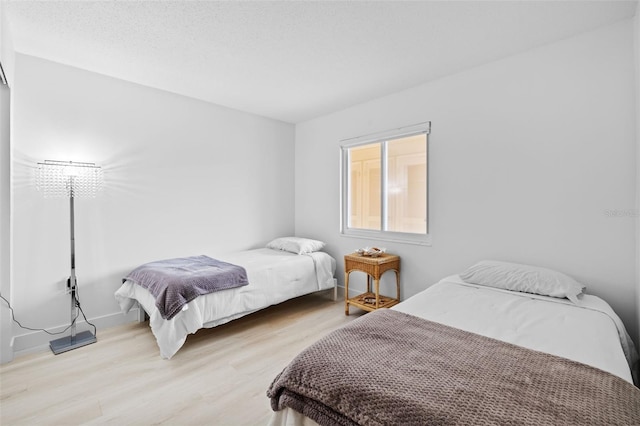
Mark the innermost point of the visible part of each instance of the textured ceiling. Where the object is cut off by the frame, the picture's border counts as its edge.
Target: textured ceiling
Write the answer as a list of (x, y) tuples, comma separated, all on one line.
[(293, 61)]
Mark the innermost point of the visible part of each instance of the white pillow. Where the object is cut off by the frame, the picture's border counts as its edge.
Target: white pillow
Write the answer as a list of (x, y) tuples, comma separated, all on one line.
[(296, 245), (525, 278)]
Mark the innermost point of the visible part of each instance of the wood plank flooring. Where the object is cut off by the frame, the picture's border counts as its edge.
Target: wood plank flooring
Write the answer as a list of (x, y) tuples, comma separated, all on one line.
[(219, 377)]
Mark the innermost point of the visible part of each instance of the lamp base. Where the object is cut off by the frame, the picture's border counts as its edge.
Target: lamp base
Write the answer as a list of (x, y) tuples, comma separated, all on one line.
[(65, 344)]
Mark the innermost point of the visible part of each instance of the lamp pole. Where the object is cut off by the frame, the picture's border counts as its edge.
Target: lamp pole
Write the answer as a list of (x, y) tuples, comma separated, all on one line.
[(72, 278)]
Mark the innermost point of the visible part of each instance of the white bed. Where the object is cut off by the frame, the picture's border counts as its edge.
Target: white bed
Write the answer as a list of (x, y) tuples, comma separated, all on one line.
[(588, 332), (274, 276)]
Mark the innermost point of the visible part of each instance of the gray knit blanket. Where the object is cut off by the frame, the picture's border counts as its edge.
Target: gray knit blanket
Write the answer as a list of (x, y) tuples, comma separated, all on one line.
[(390, 368), (176, 282)]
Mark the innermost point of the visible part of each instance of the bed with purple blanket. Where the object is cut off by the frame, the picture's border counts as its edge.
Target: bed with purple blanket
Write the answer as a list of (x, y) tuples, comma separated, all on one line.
[(183, 295), (488, 346)]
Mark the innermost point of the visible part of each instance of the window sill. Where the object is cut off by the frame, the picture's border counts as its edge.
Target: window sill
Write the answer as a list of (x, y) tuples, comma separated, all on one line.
[(420, 240)]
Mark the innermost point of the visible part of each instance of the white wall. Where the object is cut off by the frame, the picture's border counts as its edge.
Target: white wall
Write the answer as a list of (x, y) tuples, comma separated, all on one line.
[(6, 58), (182, 177), (6, 44), (526, 155), (6, 350)]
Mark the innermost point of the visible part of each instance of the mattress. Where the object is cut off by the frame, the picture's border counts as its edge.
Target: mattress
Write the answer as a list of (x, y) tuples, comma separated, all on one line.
[(589, 332), (274, 276)]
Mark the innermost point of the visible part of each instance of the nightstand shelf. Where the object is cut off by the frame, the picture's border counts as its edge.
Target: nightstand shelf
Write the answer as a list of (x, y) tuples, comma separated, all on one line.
[(374, 267)]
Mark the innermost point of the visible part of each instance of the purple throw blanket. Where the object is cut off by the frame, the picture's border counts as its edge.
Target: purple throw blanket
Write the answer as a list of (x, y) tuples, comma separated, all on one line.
[(176, 282)]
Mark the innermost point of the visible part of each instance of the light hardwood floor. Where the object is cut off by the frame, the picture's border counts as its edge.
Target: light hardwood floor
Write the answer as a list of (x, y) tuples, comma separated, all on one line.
[(219, 377)]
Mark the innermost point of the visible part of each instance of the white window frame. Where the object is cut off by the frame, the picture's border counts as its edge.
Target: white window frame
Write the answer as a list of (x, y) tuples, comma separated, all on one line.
[(379, 137)]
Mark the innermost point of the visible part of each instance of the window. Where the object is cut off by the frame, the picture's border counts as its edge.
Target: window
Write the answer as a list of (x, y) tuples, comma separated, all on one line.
[(385, 185)]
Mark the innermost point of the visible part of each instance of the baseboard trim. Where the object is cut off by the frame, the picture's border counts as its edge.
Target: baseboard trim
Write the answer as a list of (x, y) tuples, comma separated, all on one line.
[(38, 341)]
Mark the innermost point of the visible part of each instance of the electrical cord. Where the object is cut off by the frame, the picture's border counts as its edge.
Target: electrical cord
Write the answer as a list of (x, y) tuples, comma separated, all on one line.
[(95, 329), (51, 333)]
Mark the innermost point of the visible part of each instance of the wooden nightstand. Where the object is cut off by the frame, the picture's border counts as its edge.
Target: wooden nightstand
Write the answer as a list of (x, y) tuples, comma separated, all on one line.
[(374, 267)]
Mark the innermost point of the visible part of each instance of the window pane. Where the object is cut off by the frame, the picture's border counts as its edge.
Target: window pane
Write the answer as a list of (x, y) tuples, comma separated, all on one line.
[(407, 184), (365, 189)]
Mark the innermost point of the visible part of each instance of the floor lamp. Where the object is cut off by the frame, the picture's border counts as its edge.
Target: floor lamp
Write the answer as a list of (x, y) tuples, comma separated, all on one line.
[(56, 179)]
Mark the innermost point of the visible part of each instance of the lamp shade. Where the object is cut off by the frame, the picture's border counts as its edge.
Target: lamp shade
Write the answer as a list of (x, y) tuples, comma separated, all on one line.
[(62, 179)]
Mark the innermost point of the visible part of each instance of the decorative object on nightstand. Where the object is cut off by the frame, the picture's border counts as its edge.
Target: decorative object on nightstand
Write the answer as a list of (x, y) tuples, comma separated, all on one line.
[(74, 180), (371, 251), (374, 267)]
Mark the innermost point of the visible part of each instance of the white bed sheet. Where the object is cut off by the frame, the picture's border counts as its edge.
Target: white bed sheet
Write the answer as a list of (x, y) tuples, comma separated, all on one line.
[(274, 276), (590, 333)]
